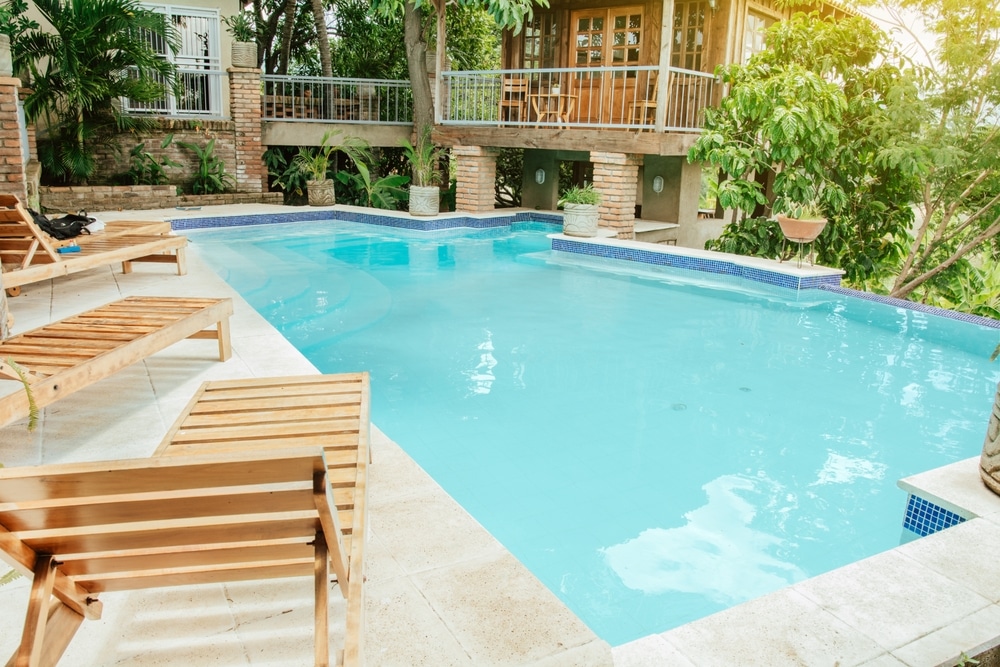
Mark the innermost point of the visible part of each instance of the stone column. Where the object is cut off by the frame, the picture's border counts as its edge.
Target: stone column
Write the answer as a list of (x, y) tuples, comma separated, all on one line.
[(244, 107), (476, 173), (989, 463), (616, 176)]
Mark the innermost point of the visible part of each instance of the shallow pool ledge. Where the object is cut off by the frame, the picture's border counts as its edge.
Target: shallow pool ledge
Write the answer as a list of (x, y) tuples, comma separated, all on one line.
[(781, 274), (922, 604)]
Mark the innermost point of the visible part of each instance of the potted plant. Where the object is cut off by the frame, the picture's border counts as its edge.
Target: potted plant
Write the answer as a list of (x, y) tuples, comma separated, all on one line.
[(802, 223), (580, 210), (244, 33), (315, 163), (425, 190)]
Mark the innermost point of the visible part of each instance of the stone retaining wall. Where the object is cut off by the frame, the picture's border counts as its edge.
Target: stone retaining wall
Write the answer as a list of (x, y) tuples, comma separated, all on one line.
[(140, 197)]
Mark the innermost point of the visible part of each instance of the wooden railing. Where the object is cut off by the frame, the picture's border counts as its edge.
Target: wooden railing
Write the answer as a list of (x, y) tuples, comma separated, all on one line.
[(584, 97)]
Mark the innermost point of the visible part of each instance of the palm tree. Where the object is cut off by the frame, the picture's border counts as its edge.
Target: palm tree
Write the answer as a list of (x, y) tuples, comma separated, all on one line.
[(97, 52)]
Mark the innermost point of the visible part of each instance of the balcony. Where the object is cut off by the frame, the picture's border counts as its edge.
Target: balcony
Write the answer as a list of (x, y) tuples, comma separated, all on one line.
[(594, 97), (340, 100)]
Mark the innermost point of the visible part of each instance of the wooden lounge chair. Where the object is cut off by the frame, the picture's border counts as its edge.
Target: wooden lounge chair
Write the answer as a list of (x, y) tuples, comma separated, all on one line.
[(85, 528), (30, 255), (65, 356), (269, 415)]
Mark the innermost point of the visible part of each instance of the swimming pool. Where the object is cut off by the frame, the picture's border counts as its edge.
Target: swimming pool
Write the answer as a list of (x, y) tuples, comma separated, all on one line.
[(655, 445)]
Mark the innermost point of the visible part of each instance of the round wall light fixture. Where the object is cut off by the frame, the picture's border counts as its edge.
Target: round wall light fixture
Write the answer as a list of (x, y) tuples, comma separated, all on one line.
[(657, 184), (540, 176)]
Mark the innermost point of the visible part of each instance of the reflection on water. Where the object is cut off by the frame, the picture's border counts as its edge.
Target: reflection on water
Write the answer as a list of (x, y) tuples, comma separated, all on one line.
[(840, 469), (717, 554)]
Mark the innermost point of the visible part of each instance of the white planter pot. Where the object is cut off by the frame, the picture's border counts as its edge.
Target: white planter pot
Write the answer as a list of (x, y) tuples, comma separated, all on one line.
[(580, 219), (425, 199), (321, 193), (245, 54)]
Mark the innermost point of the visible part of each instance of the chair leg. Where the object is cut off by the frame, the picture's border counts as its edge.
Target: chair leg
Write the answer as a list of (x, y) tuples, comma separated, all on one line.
[(321, 574), (29, 654), (225, 342)]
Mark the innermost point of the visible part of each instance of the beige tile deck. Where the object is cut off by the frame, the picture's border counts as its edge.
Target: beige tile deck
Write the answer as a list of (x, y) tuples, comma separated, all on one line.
[(456, 597), (440, 592)]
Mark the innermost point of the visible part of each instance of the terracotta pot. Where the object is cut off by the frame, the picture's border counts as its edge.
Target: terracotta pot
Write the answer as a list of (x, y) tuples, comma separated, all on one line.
[(321, 193), (425, 199), (580, 220), (800, 231)]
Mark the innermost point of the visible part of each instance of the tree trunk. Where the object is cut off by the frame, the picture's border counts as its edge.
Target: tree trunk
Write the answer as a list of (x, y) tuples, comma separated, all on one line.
[(286, 38), (319, 16), (416, 62)]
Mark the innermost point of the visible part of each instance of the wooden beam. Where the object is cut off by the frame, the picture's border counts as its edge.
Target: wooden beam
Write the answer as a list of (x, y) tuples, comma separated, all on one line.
[(614, 141), (323, 496), (663, 76)]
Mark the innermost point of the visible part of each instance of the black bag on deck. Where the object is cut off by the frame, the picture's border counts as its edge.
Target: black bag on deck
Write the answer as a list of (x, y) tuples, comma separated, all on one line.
[(68, 226)]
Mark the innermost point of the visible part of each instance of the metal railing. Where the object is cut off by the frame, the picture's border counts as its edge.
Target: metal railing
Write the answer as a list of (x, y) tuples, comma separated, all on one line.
[(341, 100), (583, 97), (197, 92)]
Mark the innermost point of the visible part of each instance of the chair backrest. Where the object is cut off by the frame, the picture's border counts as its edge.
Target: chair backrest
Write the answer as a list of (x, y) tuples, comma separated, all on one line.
[(515, 88)]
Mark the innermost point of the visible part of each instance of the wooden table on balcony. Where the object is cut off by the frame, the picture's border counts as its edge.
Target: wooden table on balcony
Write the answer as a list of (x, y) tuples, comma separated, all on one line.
[(557, 106)]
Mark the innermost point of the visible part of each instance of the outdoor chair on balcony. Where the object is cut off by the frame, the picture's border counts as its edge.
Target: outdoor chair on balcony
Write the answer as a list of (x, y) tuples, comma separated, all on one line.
[(61, 358), (643, 111), (513, 99), (29, 255)]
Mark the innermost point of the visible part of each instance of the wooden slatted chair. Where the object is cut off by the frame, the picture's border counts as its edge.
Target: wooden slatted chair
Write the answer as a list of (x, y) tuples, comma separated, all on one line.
[(66, 356), (29, 255), (229, 417), (513, 100), (85, 528)]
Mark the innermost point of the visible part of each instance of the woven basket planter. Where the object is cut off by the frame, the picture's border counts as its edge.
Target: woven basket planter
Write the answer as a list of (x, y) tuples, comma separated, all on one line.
[(425, 199), (321, 193), (244, 54), (989, 463), (580, 219)]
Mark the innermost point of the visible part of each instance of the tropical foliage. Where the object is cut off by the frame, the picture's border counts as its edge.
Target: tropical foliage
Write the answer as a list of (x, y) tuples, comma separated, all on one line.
[(210, 175), (911, 177), (96, 52)]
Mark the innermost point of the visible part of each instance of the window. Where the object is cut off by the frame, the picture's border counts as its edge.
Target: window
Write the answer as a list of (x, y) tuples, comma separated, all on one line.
[(689, 35), (754, 32), (199, 66), (540, 42)]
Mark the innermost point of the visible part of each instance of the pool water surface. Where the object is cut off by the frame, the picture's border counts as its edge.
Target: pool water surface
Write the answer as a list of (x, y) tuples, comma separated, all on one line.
[(653, 445)]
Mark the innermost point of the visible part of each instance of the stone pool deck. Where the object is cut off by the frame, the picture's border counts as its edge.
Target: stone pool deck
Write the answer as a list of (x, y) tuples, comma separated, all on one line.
[(441, 590)]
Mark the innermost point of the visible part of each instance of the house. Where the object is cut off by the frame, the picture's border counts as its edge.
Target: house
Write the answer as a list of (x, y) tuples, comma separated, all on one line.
[(616, 87)]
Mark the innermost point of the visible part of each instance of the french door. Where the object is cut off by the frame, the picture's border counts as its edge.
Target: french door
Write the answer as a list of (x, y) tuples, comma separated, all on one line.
[(612, 37)]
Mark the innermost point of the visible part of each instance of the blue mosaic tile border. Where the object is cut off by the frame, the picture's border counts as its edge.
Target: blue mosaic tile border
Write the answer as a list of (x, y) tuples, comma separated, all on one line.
[(414, 224), (924, 517), (912, 305), (719, 266)]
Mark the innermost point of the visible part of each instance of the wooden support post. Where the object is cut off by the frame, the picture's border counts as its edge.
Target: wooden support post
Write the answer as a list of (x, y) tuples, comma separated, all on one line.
[(663, 87), (321, 574), (439, 58), (33, 638)]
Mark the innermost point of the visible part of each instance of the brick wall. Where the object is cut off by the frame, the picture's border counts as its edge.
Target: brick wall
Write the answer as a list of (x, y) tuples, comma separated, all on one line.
[(616, 177), (112, 161), (12, 179), (475, 173), (244, 105)]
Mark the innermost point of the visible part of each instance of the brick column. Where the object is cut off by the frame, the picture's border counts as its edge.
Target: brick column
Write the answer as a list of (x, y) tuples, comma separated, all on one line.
[(12, 180), (244, 107), (616, 176), (476, 173)]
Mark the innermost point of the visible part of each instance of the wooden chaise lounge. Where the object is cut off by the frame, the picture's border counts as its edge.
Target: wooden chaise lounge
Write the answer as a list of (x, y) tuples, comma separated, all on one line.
[(66, 356), (83, 529), (271, 414), (29, 255), (259, 478)]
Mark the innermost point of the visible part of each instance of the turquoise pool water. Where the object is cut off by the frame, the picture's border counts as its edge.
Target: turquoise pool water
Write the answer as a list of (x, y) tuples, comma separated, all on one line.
[(654, 445)]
